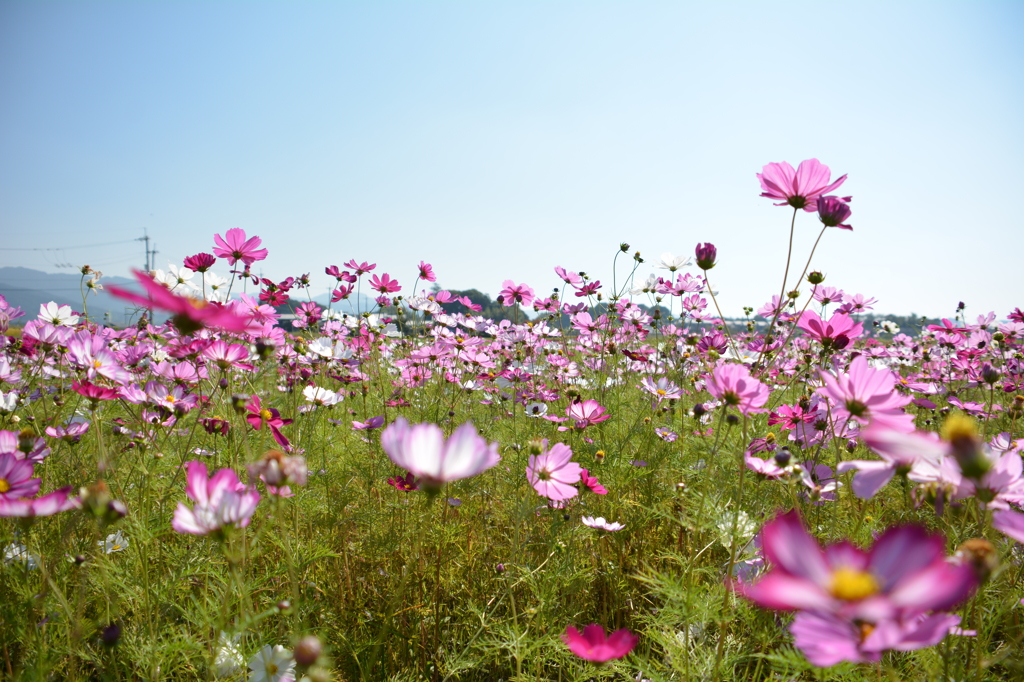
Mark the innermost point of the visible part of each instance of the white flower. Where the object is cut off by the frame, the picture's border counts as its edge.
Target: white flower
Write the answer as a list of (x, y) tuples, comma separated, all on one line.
[(181, 277), (672, 263), (647, 286), (19, 552), (8, 401), (322, 347), (216, 287), (229, 659), (57, 315), (321, 396), (93, 284), (272, 664), (536, 409), (889, 327), (115, 542), (601, 523)]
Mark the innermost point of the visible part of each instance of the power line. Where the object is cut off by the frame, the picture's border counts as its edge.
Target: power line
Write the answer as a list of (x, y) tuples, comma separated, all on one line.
[(62, 248)]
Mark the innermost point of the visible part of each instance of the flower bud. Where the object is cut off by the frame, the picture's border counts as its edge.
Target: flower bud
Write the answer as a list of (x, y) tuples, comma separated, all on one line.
[(962, 434), (815, 278), (308, 650), (624, 247), (979, 554), (706, 255), (989, 374), (783, 457)]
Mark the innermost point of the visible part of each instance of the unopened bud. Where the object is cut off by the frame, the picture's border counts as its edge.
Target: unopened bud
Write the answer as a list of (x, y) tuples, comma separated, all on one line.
[(989, 374), (308, 650), (815, 277), (783, 457)]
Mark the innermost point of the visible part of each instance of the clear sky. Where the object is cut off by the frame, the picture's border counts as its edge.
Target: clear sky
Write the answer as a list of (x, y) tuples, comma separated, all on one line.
[(500, 139)]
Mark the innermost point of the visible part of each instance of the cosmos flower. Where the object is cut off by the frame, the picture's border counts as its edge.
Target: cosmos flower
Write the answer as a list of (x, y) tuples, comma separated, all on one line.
[(733, 385), (423, 451), (601, 523), (188, 314), (798, 188), (221, 501), (235, 247), (552, 474), (594, 645)]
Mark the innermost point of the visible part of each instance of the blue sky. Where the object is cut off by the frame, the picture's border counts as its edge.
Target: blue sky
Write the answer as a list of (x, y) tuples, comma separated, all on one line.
[(498, 140)]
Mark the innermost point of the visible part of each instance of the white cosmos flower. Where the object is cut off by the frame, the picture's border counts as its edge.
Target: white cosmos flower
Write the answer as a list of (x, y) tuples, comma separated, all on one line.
[(322, 347), (57, 315), (115, 542), (672, 263), (272, 664), (229, 659), (601, 523), (321, 396)]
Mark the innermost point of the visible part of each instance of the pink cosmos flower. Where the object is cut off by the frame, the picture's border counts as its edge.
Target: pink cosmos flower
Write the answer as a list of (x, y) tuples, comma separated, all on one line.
[(900, 452), (371, 423), (427, 272), (663, 389), (235, 247), (226, 355), (798, 188), (189, 314), (52, 503), (733, 385), (584, 414), (513, 293), (360, 268), (552, 474), (905, 574), (594, 646), (1010, 523), (836, 333), (93, 392), (865, 395), (833, 211), (220, 502), (384, 284), (16, 477), (706, 255), (421, 449), (201, 262)]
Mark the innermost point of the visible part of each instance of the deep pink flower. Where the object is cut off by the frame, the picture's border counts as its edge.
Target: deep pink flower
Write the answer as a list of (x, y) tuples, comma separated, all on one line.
[(905, 574), (421, 449), (706, 255), (189, 314), (588, 289), (226, 355), (552, 474), (733, 385), (836, 333), (371, 423), (833, 211), (201, 262), (427, 272), (235, 247), (592, 483), (384, 284), (513, 293), (406, 484), (259, 415), (798, 188), (93, 392), (220, 501), (594, 646)]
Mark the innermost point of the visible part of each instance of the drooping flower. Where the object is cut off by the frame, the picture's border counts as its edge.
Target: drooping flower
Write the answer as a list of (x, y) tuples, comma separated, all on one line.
[(427, 272), (594, 645), (601, 523), (552, 473), (421, 449), (798, 188), (833, 211), (221, 501), (733, 385), (235, 247)]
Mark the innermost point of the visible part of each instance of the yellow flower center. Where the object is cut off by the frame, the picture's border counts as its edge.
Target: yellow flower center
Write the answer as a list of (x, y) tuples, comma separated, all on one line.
[(271, 669), (116, 547), (662, 391), (4, 485), (850, 584), (266, 415), (169, 398), (96, 364)]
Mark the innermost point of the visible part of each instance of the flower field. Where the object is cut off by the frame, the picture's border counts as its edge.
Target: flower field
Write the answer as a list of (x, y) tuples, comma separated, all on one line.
[(607, 481)]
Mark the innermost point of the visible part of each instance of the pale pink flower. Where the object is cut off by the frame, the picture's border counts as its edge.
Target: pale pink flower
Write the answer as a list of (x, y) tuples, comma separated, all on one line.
[(421, 449), (221, 501), (867, 395), (733, 385), (552, 474), (601, 523), (798, 188)]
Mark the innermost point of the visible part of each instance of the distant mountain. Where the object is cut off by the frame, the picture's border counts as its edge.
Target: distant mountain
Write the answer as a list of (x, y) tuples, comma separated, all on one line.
[(28, 289)]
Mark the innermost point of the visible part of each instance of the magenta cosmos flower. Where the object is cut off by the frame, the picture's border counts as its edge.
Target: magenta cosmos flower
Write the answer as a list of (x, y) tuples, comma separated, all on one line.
[(52, 503), (905, 574), (421, 449), (260, 415), (798, 188), (834, 212), (552, 474), (16, 477), (594, 646), (201, 262), (220, 502), (733, 385), (188, 314), (235, 247)]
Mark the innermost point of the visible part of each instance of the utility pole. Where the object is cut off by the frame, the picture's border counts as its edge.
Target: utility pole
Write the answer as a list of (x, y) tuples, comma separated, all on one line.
[(150, 264)]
